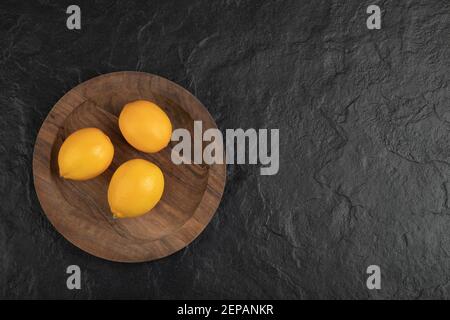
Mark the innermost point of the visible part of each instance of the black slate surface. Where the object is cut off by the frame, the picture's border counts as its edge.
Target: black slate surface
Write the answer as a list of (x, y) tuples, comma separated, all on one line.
[(364, 121)]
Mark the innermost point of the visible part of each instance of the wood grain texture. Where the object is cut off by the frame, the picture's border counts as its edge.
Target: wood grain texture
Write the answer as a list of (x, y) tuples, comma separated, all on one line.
[(79, 209)]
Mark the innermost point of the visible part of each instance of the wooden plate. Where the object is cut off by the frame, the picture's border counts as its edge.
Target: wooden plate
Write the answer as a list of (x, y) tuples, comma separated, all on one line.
[(80, 211)]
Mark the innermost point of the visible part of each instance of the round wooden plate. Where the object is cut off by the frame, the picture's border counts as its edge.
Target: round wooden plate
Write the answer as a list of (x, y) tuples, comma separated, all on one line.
[(79, 210)]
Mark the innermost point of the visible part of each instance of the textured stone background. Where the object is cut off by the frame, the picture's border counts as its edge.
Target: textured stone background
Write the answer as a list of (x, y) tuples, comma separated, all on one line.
[(364, 119)]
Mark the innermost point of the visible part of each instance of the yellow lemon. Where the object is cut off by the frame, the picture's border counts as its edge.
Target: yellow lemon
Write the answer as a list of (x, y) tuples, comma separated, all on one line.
[(135, 188), (85, 154), (145, 126)]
